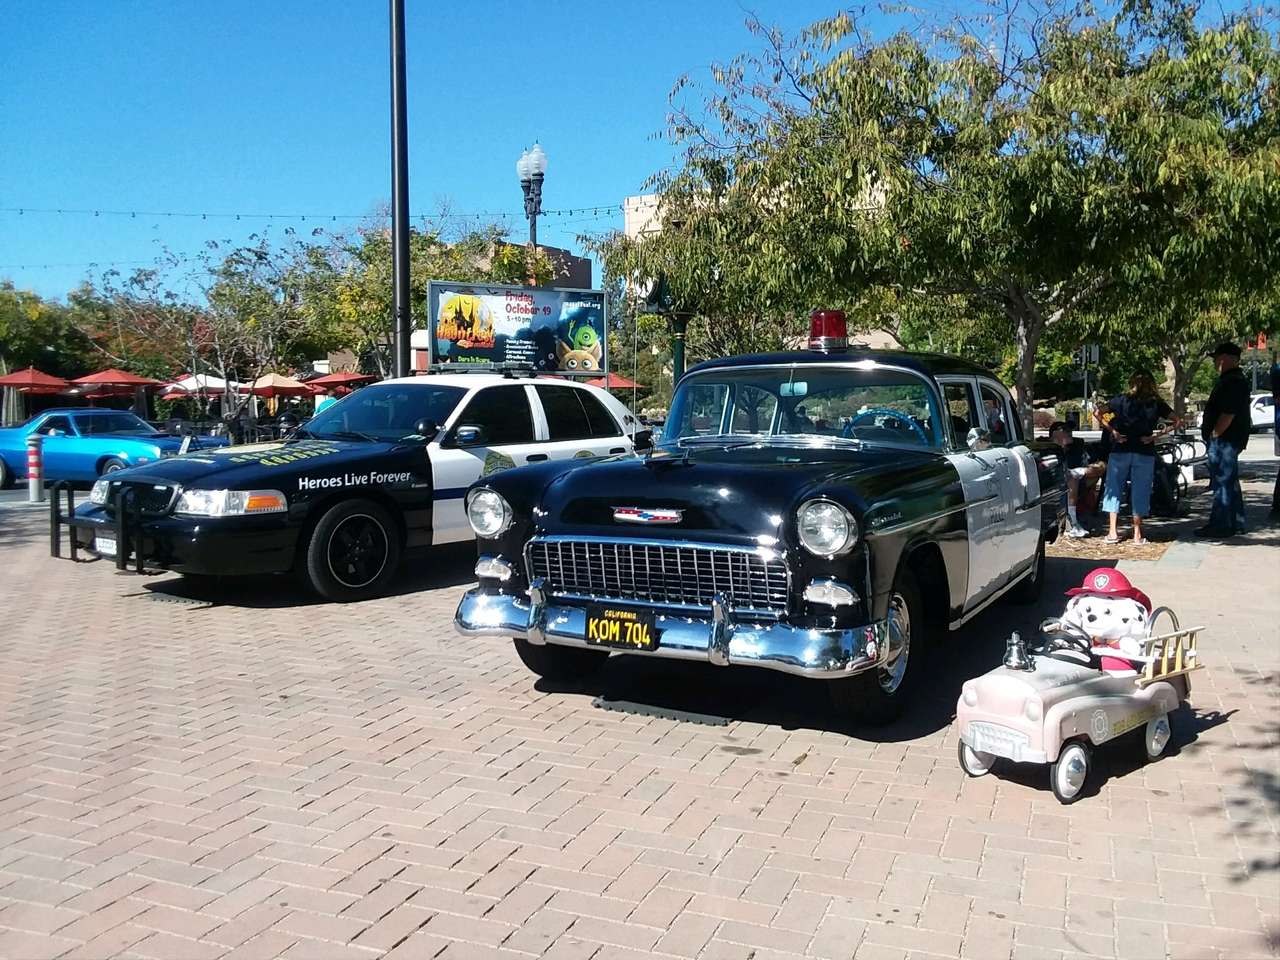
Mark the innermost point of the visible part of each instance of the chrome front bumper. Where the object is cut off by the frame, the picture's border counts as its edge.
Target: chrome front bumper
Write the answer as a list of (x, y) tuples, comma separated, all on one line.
[(820, 654)]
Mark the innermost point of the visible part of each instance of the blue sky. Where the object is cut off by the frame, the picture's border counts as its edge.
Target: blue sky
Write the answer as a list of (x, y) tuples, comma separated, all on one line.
[(281, 106)]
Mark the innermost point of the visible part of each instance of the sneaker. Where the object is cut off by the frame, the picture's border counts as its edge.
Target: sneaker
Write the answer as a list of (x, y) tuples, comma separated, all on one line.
[(1077, 532)]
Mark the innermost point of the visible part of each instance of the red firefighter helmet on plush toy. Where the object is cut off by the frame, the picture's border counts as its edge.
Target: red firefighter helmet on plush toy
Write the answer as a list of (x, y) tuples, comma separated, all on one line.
[(1110, 582)]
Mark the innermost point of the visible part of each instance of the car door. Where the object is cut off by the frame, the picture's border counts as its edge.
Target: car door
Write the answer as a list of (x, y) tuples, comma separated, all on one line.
[(1020, 479), (981, 468), (573, 423), (503, 417), (58, 457)]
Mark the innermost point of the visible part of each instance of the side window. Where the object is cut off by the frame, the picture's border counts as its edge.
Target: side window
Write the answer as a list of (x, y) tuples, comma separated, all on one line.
[(55, 423), (962, 412), (999, 423), (599, 421), (753, 410), (566, 417), (502, 414)]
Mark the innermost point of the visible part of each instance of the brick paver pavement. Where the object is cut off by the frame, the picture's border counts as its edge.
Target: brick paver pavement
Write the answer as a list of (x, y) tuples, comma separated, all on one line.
[(263, 776)]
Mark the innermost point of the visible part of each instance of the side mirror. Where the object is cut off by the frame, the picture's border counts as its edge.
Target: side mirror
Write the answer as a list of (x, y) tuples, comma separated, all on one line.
[(468, 436), (978, 439), (642, 440), (427, 429)]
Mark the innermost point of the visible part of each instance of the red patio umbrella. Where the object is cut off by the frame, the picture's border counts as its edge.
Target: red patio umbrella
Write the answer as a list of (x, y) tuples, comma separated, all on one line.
[(341, 379), (615, 381), (115, 378), (33, 379)]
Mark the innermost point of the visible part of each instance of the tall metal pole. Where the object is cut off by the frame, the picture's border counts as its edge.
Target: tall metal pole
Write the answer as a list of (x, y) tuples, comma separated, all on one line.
[(399, 193)]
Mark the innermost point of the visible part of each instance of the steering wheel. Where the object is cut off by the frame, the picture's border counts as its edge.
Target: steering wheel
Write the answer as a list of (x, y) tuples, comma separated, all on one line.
[(847, 432), (1067, 642)]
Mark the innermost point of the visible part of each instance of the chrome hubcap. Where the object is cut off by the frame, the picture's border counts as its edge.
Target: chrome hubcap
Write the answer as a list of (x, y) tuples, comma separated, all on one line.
[(898, 642), (1071, 772), (1157, 736)]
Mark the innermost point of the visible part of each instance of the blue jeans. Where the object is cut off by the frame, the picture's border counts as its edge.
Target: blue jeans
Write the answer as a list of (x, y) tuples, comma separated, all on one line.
[(1227, 511), (1140, 470)]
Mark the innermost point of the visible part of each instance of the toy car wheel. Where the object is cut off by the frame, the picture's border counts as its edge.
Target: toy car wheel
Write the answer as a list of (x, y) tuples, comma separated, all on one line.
[(1156, 736), (974, 762), (559, 664), (111, 466), (1070, 773)]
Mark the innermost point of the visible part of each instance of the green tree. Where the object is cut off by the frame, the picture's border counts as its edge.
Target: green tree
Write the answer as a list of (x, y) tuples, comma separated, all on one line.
[(40, 333)]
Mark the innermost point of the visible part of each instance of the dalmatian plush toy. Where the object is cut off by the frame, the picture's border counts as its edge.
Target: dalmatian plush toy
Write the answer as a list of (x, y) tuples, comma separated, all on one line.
[(1114, 613)]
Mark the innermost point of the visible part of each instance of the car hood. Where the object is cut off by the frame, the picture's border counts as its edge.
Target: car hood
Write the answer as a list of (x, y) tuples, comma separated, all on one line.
[(258, 465), (721, 492)]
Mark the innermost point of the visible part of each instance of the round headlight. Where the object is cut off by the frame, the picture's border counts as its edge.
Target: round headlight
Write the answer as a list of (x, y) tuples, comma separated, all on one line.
[(825, 527), (488, 513)]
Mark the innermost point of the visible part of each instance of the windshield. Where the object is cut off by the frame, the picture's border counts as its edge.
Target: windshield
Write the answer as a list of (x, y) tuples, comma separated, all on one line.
[(130, 423), (385, 411), (805, 402)]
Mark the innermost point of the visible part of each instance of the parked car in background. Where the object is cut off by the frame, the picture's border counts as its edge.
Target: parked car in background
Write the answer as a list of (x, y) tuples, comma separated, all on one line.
[(1262, 413), (87, 443), (373, 475)]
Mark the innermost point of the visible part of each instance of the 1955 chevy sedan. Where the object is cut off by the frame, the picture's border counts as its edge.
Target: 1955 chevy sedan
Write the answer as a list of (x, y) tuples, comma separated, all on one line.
[(815, 512)]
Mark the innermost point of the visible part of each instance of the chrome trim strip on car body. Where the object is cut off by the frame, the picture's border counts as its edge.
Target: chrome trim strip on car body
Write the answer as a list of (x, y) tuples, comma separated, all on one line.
[(715, 637), (970, 614), (908, 524)]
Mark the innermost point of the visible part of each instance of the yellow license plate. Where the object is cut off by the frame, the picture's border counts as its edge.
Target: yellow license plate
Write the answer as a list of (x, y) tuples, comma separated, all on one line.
[(621, 629)]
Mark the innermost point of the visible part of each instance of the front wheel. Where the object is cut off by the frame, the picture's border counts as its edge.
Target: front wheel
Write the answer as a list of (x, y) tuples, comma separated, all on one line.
[(353, 552), (559, 664), (973, 762), (1070, 773), (879, 696), (111, 466)]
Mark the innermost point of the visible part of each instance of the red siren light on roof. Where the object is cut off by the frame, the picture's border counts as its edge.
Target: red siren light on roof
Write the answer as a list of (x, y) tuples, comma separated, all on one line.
[(828, 330)]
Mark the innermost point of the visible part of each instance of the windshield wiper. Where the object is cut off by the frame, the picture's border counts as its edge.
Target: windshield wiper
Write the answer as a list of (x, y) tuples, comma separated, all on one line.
[(347, 435)]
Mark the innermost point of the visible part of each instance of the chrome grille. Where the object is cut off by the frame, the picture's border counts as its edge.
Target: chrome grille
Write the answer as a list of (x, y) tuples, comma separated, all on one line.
[(681, 575)]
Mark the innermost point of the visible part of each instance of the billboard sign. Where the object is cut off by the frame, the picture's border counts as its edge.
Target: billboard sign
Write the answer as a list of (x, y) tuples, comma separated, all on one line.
[(550, 329)]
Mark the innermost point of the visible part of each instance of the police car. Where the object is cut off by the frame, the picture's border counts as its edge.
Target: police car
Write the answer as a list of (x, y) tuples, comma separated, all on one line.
[(378, 472)]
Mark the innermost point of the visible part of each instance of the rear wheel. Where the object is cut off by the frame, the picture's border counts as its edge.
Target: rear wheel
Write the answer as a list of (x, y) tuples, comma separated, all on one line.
[(879, 696), (559, 664), (1156, 736), (353, 552)]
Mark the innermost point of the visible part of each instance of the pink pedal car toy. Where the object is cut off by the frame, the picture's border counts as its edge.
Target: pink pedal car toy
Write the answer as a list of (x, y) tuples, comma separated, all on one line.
[(1099, 671)]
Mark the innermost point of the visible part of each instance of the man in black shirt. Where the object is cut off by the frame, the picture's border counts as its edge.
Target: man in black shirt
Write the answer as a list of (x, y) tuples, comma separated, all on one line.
[(1225, 429)]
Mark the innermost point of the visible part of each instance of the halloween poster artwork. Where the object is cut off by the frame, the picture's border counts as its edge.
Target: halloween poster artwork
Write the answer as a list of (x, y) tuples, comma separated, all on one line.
[(545, 328)]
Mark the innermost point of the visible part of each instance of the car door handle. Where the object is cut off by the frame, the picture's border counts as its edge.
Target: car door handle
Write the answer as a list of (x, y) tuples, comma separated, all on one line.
[(535, 457), (618, 450)]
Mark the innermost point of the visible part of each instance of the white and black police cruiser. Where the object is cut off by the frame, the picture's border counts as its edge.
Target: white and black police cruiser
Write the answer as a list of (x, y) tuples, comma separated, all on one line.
[(381, 471), (816, 512)]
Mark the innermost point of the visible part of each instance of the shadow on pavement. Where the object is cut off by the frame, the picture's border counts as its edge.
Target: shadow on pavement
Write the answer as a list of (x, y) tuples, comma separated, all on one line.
[(762, 696), (451, 565)]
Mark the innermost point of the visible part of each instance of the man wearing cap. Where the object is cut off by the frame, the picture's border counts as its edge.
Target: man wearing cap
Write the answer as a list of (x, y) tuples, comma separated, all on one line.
[(1226, 430)]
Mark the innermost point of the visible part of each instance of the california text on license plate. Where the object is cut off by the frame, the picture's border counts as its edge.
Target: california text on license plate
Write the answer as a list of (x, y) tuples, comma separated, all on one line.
[(624, 629), (105, 546)]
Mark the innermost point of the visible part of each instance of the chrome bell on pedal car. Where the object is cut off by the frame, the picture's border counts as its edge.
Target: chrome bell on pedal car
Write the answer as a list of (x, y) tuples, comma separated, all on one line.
[(1015, 654)]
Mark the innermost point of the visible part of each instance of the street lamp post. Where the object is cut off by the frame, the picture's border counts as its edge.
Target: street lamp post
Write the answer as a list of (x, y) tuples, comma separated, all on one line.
[(531, 168)]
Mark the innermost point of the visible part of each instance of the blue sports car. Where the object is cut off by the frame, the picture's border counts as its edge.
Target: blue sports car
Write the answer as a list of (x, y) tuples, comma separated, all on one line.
[(83, 444)]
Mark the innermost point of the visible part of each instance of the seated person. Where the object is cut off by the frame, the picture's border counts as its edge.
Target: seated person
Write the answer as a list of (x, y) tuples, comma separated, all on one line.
[(1083, 471)]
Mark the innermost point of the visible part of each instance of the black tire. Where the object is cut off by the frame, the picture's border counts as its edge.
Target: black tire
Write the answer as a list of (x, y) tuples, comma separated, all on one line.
[(111, 465), (1069, 774), (1029, 589), (559, 664), (879, 696), (353, 552), (973, 763), (6, 475)]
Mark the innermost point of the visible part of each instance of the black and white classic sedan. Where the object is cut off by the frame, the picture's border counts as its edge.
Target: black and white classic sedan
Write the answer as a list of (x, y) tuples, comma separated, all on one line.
[(815, 512)]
